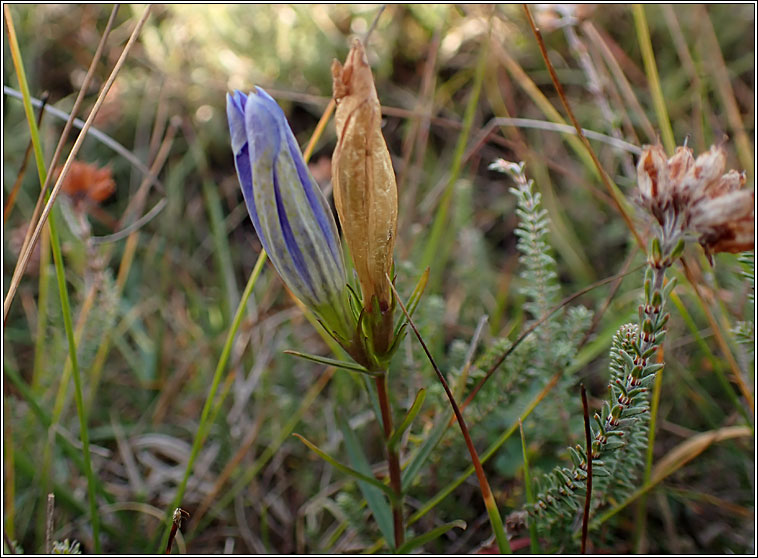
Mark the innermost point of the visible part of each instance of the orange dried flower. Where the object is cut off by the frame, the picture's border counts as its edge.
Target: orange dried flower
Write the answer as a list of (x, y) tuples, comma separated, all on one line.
[(86, 184)]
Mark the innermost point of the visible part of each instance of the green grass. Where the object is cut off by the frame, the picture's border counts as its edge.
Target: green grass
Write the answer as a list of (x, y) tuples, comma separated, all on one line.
[(182, 393)]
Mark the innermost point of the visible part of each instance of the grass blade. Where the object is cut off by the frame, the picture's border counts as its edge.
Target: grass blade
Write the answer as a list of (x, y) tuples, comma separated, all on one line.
[(643, 38), (412, 412), (534, 543), (344, 468), (374, 498), (60, 273), (430, 536), (434, 251), (204, 426)]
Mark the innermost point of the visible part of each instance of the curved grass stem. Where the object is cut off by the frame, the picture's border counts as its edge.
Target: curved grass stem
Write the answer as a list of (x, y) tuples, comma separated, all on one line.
[(60, 273), (489, 500), (202, 429)]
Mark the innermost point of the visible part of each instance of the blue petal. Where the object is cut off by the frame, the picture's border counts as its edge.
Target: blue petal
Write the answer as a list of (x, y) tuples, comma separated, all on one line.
[(242, 162), (288, 210), (312, 191), (315, 197), (235, 113), (293, 248), (263, 122)]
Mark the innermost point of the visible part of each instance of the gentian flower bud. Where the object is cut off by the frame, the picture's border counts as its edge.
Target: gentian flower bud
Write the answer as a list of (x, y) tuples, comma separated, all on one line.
[(365, 191), (288, 209)]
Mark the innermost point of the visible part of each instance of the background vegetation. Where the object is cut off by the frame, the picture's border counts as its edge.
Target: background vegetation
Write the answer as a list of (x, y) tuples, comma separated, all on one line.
[(152, 311)]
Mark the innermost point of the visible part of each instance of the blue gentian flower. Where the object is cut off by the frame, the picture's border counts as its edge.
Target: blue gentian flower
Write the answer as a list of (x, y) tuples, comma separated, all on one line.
[(289, 212)]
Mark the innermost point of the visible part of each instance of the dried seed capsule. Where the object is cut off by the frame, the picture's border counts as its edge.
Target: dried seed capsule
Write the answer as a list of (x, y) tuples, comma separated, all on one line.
[(365, 191)]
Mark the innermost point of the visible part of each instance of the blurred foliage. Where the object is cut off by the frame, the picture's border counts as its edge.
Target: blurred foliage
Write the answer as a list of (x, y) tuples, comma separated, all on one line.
[(162, 330)]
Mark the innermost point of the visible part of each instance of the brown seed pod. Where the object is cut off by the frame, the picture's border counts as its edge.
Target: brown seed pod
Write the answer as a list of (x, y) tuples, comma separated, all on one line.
[(365, 190)]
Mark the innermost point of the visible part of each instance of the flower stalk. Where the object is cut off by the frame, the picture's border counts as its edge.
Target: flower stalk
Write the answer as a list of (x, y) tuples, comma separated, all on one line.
[(393, 459), (297, 230), (496, 521)]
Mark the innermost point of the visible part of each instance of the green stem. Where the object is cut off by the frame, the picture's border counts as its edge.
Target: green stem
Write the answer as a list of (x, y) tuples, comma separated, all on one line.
[(484, 486), (392, 459), (643, 38), (432, 251), (202, 429), (61, 278), (642, 504)]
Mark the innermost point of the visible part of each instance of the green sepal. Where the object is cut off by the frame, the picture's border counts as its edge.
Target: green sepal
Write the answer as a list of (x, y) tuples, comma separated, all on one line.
[(628, 360), (599, 471), (354, 367), (650, 352), (657, 299), (655, 249), (611, 445), (660, 336), (632, 411), (413, 300), (600, 426), (575, 457), (677, 251), (651, 369), (646, 380), (668, 287)]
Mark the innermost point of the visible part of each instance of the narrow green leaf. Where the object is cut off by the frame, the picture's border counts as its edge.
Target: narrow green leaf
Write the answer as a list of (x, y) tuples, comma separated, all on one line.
[(418, 291), (344, 468), (374, 498), (418, 460), (413, 300), (533, 540), (430, 536), (332, 362), (412, 412), (204, 426)]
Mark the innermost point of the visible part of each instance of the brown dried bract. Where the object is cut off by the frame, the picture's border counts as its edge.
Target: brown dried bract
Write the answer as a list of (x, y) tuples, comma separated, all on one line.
[(365, 191), (688, 194)]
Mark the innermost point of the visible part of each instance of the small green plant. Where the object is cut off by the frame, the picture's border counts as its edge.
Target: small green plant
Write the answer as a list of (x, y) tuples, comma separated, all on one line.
[(66, 547), (421, 311), (683, 195)]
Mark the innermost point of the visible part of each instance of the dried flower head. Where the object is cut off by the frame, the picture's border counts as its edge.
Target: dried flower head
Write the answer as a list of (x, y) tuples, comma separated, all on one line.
[(687, 194), (86, 184), (365, 191)]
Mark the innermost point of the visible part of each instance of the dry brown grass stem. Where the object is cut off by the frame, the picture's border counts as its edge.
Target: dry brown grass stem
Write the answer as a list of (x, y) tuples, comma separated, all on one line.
[(717, 333), (601, 171), (25, 256), (67, 128)]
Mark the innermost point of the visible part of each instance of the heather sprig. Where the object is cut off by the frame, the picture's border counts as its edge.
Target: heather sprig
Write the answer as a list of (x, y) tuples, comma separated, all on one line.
[(684, 196)]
